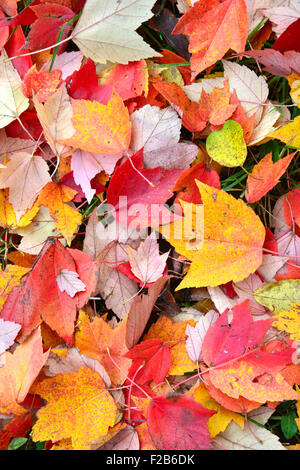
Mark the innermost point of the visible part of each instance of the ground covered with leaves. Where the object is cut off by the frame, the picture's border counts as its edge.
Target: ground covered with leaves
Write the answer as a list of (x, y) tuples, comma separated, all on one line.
[(149, 225)]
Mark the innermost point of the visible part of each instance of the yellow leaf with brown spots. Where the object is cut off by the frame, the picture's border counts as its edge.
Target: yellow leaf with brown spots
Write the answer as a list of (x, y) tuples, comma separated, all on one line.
[(55, 196), (220, 420), (246, 380), (10, 278), (173, 335), (289, 321), (79, 407), (224, 245), (101, 128)]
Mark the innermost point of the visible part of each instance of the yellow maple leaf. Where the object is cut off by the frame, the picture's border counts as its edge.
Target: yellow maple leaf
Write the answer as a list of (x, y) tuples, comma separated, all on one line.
[(79, 407), (101, 128), (225, 245), (55, 196), (99, 341)]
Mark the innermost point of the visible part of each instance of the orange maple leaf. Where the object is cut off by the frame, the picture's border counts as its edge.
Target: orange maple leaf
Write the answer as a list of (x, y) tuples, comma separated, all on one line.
[(214, 27), (101, 128)]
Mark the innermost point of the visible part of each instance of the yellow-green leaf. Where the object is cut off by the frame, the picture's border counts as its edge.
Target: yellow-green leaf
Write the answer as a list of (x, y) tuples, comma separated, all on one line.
[(227, 146)]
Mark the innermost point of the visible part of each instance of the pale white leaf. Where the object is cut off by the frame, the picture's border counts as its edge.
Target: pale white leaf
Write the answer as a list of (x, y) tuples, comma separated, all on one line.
[(8, 333), (106, 30), (115, 288), (67, 63), (283, 16), (69, 282), (197, 333), (126, 439), (11, 145), (266, 125), (222, 301), (270, 266), (158, 132), (72, 362), (245, 290), (194, 90), (35, 234), (55, 116), (12, 100), (258, 438), (146, 263), (25, 175), (86, 165), (251, 90)]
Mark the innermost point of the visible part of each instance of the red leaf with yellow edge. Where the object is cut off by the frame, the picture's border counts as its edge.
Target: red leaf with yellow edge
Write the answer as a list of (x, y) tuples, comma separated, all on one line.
[(214, 27), (177, 422), (173, 335), (39, 297), (264, 176), (78, 406), (231, 244), (99, 341), (55, 196), (101, 128), (19, 371), (40, 84)]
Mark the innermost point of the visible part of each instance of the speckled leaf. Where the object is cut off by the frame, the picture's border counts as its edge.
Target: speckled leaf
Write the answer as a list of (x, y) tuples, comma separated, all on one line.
[(227, 146), (100, 128), (78, 407)]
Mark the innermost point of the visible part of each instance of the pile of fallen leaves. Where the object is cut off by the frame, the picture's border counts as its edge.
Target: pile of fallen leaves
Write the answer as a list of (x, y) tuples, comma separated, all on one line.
[(149, 224)]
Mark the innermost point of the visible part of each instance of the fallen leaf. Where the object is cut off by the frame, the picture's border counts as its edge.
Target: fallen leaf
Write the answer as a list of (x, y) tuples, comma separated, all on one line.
[(213, 28), (98, 21), (73, 399), (227, 146)]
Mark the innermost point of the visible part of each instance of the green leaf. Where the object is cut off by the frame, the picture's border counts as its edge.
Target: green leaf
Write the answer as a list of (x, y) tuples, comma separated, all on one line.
[(17, 443), (288, 425)]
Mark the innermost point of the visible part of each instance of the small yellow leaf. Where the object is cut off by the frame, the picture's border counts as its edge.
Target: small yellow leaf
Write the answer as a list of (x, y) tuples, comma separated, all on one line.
[(227, 145)]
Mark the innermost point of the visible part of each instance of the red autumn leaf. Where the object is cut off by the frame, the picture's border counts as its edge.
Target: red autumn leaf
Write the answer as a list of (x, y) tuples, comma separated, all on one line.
[(178, 423), (83, 85), (157, 357), (137, 185), (214, 27), (46, 28), (265, 175), (17, 427), (291, 207), (289, 39), (40, 84), (226, 341), (13, 46), (194, 118), (39, 297), (187, 187)]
